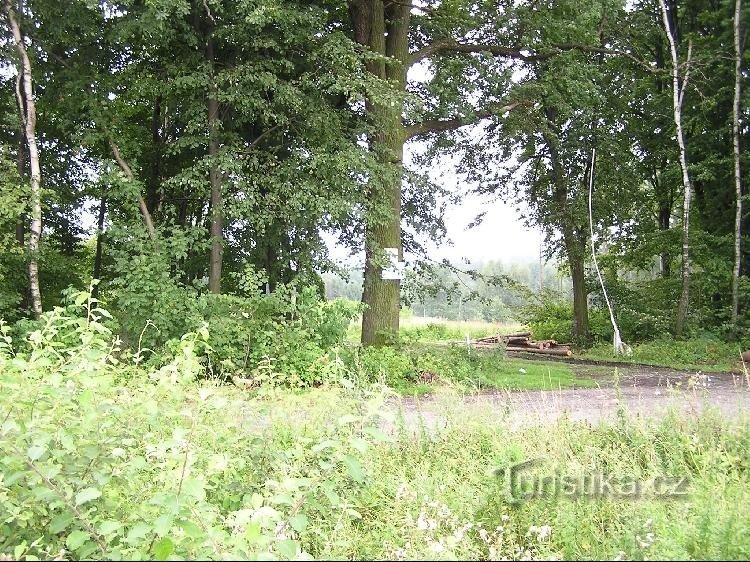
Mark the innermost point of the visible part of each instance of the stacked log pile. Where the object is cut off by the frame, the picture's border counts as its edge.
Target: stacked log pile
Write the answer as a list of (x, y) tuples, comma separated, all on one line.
[(522, 342)]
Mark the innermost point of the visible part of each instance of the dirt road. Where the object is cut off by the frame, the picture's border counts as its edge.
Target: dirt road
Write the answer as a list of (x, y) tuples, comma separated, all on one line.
[(642, 391)]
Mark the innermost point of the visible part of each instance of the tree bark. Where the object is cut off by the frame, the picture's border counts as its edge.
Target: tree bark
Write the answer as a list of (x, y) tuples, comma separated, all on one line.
[(147, 220), (21, 166), (97, 274), (28, 111), (677, 98), (737, 173), (372, 21), (216, 225)]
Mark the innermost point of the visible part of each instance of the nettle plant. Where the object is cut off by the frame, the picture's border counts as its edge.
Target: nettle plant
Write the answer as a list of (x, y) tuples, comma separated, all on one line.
[(96, 464)]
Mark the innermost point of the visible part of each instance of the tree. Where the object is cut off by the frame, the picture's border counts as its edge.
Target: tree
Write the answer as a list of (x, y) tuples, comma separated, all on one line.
[(679, 85), (27, 109), (737, 166)]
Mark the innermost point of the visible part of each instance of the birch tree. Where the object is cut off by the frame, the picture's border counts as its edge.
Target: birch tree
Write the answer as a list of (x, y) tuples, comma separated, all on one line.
[(737, 172), (678, 94), (27, 108)]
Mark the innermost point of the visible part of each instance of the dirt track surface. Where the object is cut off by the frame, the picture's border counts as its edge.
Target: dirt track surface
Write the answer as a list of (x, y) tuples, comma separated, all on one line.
[(642, 392)]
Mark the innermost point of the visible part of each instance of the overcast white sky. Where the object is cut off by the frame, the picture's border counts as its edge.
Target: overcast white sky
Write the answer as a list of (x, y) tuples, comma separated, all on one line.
[(501, 235)]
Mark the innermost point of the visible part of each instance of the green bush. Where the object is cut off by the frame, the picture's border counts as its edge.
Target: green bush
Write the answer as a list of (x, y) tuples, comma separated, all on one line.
[(550, 320), (288, 333), (104, 458), (99, 465)]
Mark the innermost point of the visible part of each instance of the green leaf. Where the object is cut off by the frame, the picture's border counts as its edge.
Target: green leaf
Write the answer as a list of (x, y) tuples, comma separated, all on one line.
[(163, 548), (108, 527), (298, 522), (354, 467), (288, 548), (327, 444), (163, 524), (60, 522), (76, 539), (191, 529), (138, 531), (360, 444), (87, 495), (253, 532), (35, 452), (378, 434)]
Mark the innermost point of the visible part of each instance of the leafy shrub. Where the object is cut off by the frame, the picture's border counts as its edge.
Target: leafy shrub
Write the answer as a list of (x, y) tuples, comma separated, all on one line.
[(93, 466), (390, 365), (550, 320), (293, 329)]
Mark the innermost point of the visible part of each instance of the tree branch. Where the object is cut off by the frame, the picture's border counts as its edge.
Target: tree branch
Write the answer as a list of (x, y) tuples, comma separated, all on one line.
[(141, 202), (452, 46), (440, 125)]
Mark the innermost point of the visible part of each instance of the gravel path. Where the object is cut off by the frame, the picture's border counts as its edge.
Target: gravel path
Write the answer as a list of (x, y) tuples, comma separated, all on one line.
[(645, 392)]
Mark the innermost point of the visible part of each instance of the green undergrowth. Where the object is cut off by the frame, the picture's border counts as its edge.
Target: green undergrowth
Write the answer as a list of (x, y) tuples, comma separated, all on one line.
[(700, 354), (471, 371), (103, 456)]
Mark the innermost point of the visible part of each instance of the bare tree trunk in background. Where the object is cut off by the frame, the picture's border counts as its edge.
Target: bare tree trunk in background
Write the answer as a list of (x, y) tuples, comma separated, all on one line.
[(216, 228), (98, 256), (677, 97), (141, 201), (28, 111), (21, 166), (737, 174)]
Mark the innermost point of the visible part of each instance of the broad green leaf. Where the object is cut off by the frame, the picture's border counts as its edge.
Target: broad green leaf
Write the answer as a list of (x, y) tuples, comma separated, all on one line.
[(87, 495), (163, 548), (288, 548), (253, 532), (298, 522), (35, 452), (60, 522), (354, 467), (108, 527), (76, 539)]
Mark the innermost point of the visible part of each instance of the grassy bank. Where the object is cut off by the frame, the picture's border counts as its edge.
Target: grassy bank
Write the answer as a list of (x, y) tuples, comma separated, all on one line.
[(175, 469), (699, 354), (465, 370)]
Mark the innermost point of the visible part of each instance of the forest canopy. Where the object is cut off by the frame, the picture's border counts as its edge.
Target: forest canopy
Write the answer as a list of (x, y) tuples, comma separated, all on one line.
[(175, 150)]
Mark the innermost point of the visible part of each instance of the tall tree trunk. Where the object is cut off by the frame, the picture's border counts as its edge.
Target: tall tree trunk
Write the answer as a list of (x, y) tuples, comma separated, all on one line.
[(677, 98), (737, 176), (575, 251), (21, 166), (216, 225), (27, 107), (125, 167), (98, 255), (384, 31), (665, 213), (575, 246)]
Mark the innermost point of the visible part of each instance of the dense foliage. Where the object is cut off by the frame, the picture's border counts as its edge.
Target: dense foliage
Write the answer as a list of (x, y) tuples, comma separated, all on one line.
[(106, 458), (183, 143)]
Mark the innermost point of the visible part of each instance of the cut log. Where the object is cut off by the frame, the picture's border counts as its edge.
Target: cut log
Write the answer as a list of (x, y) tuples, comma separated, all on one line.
[(517, 341), (550, 351)]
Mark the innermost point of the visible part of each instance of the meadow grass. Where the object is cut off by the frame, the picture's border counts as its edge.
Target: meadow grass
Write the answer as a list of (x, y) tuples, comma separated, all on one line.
[(484, 370), (158, 466), (434, 492), (699, 353)]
